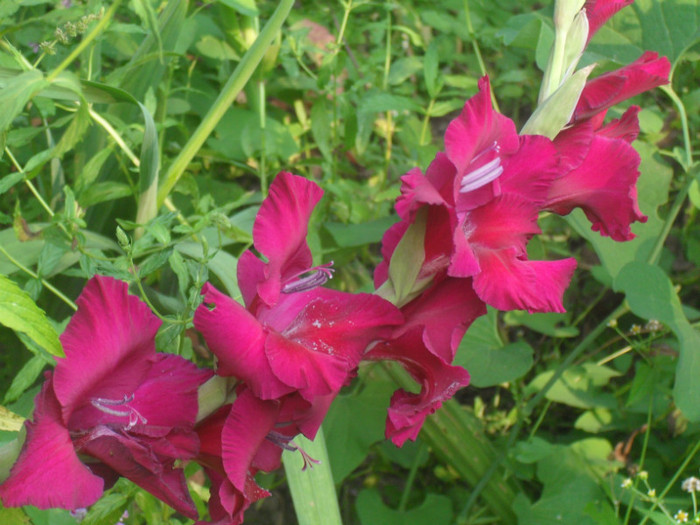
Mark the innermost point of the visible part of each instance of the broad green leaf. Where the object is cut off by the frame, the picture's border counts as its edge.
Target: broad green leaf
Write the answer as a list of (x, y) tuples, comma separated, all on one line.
[(570, 477), (9, 420), (348, 235), (552, 324), (403, 68), (666, 26), (313, 491), (435, 510), (377, 102), (578, 386), (489, 361), (16, 92), (651, 295), (354, 422), (18, 312)]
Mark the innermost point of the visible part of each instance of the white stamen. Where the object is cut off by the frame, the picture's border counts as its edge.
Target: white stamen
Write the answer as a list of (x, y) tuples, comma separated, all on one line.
[(481, 176), (105, 405)]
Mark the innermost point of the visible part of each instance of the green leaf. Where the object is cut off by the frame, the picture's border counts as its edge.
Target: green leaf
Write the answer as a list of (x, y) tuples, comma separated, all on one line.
[(651, 295), (430, 69), (16, 92), (321, 125), (245, 7), (377, 102), (313, 492), (349, 235), (354, 422), (578, 386), (25, 378), (223, 265), (75, 131), (19, 313), (488, 360), (545, 323), (435, 509), (10, 180), (10, 421)]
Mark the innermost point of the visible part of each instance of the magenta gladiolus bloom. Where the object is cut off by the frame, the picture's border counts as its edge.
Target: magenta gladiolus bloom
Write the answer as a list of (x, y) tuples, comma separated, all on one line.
[(483, 198), (114, 401), (293, 336)]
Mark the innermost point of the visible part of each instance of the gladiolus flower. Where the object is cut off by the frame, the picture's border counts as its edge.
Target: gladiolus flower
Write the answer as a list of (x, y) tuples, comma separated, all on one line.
[(114, 399)]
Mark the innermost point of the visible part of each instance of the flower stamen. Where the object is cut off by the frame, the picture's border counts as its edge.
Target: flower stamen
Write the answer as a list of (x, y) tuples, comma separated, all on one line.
[(106, 405), (317, 276)]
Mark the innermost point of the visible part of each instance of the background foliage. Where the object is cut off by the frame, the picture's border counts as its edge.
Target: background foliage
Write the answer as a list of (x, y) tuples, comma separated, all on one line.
[(101, 102)]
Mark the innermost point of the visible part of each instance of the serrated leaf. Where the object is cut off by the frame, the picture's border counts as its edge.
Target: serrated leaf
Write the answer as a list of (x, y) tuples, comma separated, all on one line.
[(487, 359), (19, 313)]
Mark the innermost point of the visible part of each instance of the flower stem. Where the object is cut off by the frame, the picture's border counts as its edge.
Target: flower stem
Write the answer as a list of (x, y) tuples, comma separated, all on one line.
[(236, 82)]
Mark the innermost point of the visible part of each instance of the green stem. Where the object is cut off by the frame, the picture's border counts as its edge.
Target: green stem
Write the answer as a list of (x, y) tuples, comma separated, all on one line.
[(688, 167), (411, 478), (85, 42), (312, 487), (477, 50), (240, 76), (43, 281), (672, 482)]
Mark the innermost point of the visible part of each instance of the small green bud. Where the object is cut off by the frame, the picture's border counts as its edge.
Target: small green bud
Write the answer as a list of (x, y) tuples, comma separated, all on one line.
[(123, 238)]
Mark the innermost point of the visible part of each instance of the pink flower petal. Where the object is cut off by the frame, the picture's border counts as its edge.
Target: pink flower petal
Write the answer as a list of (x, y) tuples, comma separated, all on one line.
[(645, 73), (438, 380), (603, 186), (509, 283), (238, 341), (477, 128), (108, 344), (599, 11), (280, 231), (324, 343), (625, 128), (245, 429), (445, 311), (48, 473), (134, 459)]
